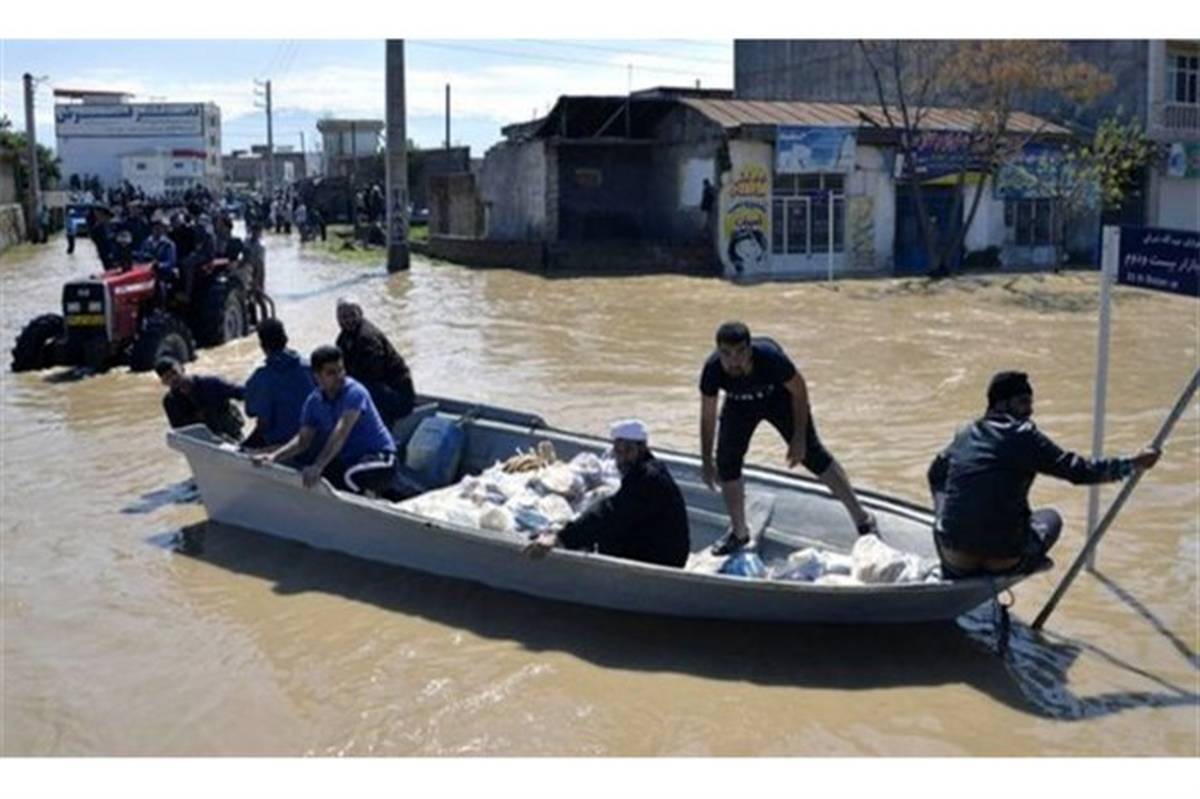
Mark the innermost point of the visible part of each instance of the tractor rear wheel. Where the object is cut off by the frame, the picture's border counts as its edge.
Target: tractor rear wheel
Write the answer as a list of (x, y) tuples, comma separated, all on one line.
[(163, 335), (37, 342), (223, 316)]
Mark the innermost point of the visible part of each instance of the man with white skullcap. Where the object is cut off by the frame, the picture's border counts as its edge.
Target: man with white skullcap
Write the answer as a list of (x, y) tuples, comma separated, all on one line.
[(645, 520)]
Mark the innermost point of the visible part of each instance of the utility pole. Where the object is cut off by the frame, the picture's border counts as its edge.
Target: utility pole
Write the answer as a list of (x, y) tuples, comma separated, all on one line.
[(396, 159), (270, 136), (303, 157), (447, 116), (34, 200)]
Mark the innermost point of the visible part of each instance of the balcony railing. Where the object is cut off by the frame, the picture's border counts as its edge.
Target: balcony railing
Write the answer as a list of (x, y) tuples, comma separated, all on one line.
[(1178, 116)]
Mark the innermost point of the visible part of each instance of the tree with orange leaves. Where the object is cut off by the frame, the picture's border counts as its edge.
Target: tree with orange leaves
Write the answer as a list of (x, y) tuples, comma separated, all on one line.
[(991, 80)]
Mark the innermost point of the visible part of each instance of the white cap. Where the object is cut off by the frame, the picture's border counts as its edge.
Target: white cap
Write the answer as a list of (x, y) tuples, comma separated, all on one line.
[(629, 430)]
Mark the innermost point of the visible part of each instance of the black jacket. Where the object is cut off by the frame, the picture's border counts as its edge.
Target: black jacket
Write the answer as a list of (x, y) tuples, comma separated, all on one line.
[(981, 482), (208, 403), (370, 358), (645, 520)]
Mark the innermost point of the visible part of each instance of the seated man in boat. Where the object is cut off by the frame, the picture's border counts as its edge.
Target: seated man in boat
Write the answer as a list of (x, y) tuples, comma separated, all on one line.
[(373, 361), (760, 382), (357, 452), (277, 391), (200, 399), (981, 482), (645, 520)]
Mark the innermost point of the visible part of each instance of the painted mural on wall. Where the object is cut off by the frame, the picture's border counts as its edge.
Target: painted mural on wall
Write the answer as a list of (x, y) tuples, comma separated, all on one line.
[(800, 150), (745, 225), (1183, 160)]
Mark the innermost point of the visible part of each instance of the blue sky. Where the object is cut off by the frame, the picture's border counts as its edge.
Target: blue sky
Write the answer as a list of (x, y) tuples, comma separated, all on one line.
[(494, 82)]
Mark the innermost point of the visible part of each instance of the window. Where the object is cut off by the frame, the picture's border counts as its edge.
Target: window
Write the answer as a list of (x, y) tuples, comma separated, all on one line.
[(800, 214), (1183, 74), (1034, 221)]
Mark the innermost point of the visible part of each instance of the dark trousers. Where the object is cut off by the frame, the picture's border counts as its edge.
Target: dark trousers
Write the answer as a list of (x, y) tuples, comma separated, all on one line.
[(1045, 527), (392, 401), (739, 419), (372, 473)]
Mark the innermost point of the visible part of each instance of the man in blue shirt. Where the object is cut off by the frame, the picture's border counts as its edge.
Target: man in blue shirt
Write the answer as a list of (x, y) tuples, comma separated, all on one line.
[(159, 248), (277, 391), (358, 452)]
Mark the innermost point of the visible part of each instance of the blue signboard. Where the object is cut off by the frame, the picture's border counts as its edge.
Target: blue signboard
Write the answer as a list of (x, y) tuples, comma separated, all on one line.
[(800, 150), (939, 153), (1160, 259)]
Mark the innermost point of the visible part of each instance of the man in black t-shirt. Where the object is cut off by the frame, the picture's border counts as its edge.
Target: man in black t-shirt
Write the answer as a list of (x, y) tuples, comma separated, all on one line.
[(760, 382)]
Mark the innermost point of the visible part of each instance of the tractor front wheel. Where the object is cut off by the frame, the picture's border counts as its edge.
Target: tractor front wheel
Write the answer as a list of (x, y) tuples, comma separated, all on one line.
[(37, 343)]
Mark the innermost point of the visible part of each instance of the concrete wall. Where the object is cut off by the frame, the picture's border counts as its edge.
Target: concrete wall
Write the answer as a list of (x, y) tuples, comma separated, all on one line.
[(1178, 203), (12, 225), (454, 207), (428, 163), (608, 191), (8, 178), (513, 187), (529, 255)]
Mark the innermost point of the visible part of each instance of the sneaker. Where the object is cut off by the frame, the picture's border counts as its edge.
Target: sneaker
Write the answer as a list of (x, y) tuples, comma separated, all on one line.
[(870, 526), (729, 543)]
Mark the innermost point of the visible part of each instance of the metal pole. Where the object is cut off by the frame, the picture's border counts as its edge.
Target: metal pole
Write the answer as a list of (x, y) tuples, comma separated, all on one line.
[(830, 196), (34, 200), (1109, 253), (397, 158), (270, 146), (1118, 503), (447, 116)]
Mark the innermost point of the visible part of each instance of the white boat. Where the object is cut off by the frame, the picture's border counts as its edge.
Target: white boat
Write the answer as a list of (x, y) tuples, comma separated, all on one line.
[(272, 500)]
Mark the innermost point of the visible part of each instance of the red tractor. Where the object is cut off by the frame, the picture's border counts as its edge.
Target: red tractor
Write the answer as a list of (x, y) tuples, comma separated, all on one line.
[(129, 315)]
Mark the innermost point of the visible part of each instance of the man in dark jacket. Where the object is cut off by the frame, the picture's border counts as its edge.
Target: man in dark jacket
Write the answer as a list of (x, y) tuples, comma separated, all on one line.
[(200, 400), (646, 520), (372, 360), (103, 233), (981, 482), (276, 392)]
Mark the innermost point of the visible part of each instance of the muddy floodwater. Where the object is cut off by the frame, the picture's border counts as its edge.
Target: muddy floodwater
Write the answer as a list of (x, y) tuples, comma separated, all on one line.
[(116, 642)]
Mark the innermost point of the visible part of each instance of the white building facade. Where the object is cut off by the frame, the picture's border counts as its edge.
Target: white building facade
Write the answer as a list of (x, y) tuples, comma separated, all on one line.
[(93, 138)]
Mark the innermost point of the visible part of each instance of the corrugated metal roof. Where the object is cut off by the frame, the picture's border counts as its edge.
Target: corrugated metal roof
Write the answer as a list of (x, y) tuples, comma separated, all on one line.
[(736, 113)]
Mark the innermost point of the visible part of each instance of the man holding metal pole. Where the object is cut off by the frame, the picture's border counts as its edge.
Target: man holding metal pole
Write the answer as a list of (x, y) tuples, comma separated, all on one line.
[(981, 483)]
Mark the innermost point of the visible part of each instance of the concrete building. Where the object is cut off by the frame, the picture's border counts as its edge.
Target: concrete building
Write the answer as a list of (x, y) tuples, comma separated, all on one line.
[(425, 165), (164, 173), (698, 181), (1156, 81), (247, 170), (95, 130), (347, 145)]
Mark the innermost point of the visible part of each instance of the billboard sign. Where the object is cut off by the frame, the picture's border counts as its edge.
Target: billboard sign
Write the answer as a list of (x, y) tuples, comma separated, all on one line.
[(800, 150), (1160, 259), (133, 120)]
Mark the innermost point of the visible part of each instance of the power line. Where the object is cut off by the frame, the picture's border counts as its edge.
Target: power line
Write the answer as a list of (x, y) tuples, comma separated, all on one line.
[(560, 59), (626, 50)]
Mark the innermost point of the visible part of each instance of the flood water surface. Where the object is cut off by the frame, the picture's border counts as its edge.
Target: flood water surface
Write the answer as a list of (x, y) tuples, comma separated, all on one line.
[(131, 626)]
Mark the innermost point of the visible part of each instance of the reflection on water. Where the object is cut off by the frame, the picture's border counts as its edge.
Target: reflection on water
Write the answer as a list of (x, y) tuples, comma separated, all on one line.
[(125, 613)]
